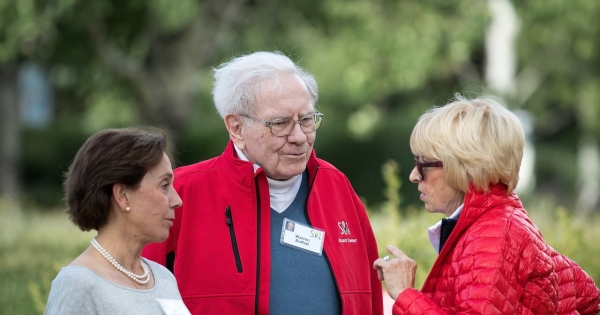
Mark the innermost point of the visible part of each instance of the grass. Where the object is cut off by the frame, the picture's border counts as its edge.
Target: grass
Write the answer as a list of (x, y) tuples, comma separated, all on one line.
[(34, 245)]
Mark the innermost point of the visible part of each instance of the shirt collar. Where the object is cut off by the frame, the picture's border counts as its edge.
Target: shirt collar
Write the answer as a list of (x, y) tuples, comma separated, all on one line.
[(282, 192), (243, 157), (435, 230)]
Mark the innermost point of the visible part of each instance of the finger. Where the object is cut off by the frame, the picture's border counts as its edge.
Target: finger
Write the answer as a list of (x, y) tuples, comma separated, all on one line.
[(380, 274), (378, 264), (395, 251), (378, 268)]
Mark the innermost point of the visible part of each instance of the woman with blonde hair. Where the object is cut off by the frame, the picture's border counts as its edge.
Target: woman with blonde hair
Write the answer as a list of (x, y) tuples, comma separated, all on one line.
[(492, 258)]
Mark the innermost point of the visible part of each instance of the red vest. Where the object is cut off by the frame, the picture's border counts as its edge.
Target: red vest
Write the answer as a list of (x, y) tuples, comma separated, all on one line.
[(224, 268)]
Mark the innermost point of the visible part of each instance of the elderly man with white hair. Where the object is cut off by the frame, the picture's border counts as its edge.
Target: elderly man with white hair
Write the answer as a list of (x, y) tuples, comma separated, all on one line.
[(229, 247)]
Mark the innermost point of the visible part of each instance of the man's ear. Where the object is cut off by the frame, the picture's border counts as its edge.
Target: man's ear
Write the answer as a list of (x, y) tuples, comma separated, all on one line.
[(235, 126), (119, 192)]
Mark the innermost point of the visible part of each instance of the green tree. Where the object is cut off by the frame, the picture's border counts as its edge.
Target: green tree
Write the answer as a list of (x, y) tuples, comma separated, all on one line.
[(25, 32), (379, 65), (558, 55)]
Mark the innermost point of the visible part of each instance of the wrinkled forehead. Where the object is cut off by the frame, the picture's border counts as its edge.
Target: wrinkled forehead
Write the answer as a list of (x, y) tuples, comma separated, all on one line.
[(285, 94), (280, 83)]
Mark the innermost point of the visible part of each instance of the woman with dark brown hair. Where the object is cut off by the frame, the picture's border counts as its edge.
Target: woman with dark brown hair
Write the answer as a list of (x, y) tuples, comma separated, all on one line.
[(120, 184)]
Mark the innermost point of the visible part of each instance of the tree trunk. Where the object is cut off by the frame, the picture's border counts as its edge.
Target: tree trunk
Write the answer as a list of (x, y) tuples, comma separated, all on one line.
[(500, 73), (10, 140), (588, 162), (588, 152)]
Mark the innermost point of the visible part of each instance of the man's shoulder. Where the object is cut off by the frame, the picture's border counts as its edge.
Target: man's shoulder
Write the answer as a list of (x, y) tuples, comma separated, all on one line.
[(324, 164), (328, 169), (209, 165)]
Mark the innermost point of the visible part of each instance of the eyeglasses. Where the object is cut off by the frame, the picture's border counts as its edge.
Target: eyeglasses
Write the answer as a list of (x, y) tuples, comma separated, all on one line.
[(282, 127), (420, 166)]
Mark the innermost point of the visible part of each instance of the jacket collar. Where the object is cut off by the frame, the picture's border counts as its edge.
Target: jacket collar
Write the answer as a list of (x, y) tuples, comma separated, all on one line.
[(243, 171), (476, 204), (312, 166)]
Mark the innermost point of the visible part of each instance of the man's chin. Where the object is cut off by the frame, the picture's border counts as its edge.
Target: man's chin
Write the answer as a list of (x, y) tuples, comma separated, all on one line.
[(287, 175)]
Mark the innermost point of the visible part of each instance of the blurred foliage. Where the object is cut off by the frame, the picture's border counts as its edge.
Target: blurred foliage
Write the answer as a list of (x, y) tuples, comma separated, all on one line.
[(559, 51), (34, 245), (380, 64)]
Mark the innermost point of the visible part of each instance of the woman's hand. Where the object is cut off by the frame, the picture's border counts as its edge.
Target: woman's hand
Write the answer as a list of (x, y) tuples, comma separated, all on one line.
[(398, 272)]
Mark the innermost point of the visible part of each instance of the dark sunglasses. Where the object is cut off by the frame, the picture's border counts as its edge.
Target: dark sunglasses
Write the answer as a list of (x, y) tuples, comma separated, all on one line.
[(420, 166)]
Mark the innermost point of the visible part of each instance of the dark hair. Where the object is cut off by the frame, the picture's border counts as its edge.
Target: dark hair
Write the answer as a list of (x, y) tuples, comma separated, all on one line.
[(111, 156)]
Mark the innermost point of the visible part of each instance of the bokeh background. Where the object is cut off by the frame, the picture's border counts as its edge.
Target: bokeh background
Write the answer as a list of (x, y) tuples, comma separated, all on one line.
[(69, 68)]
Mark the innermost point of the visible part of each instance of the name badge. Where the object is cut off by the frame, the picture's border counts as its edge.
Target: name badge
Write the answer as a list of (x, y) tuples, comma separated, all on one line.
[(173, 307), (302, 237)]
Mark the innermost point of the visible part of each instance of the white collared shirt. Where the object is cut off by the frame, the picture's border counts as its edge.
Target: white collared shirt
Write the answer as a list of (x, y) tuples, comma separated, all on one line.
[(281, 192), (435, 230)]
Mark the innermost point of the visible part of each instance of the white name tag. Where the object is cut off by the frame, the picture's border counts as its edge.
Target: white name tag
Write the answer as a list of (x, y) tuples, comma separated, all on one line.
[(302, 237), (173, 307)]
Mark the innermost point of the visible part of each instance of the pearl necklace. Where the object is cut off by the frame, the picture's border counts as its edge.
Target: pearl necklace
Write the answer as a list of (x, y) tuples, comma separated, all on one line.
[(143, 279)]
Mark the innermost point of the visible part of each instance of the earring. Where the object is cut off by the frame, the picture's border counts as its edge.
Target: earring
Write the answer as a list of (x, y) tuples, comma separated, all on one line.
[(128, 209)]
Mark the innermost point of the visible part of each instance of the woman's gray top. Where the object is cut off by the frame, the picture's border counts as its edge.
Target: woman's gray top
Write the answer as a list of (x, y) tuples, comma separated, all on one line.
[(79, 290)]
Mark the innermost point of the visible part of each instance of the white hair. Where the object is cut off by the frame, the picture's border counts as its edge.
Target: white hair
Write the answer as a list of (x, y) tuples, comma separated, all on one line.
[(239, 80)]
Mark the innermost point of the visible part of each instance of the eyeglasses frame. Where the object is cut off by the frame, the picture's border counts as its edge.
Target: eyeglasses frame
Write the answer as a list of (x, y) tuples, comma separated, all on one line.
[(420, 165), (272, 122)]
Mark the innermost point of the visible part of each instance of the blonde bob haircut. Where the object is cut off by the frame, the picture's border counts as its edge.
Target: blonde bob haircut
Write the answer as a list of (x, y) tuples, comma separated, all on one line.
[(479, 141)]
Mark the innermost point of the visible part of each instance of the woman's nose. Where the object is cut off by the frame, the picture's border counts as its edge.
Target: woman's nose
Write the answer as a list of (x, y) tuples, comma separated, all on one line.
[(414, 176)]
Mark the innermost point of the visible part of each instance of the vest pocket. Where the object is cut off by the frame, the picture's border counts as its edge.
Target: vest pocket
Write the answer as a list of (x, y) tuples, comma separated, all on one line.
[(234, 244)]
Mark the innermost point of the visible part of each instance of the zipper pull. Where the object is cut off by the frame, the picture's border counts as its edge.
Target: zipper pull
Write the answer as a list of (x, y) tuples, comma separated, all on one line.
[(228, 215)]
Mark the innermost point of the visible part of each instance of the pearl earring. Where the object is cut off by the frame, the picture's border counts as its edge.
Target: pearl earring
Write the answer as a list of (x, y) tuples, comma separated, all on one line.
[(127, 209)]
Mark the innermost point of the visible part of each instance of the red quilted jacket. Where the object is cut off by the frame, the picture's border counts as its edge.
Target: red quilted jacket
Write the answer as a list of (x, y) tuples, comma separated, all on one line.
[(496, 262)]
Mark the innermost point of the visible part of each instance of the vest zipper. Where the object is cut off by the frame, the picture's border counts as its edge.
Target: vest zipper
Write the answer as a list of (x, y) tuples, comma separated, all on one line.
[(234, 244), (257, 248)]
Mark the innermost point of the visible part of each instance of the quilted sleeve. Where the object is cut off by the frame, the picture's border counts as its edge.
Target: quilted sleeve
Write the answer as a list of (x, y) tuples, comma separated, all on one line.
[(588, 297), (503, 268), (577, 290), (496, 268), (412, 301), (485, 283)]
